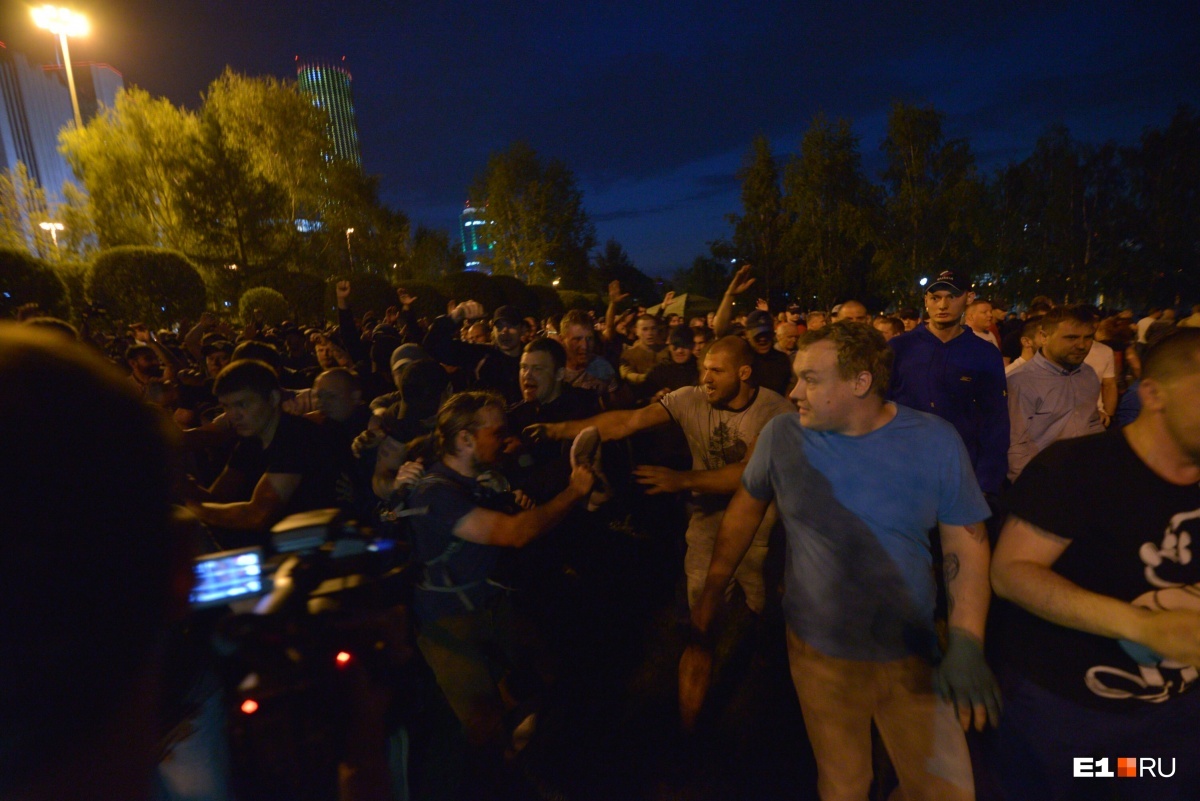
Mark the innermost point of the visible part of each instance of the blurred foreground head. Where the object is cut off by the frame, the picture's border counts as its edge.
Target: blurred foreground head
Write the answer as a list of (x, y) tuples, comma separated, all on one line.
[(90, 571)]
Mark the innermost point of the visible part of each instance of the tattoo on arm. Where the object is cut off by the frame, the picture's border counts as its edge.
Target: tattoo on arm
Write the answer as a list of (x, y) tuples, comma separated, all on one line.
[(950, 567)]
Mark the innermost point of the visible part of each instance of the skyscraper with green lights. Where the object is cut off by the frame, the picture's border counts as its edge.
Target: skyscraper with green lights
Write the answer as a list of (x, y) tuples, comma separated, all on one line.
[(328, 86)]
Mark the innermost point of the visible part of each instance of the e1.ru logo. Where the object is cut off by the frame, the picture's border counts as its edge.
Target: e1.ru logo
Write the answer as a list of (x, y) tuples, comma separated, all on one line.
[(1127, 768)]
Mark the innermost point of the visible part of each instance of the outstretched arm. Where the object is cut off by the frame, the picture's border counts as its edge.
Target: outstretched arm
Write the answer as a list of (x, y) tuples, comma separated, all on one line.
[(611, 425)]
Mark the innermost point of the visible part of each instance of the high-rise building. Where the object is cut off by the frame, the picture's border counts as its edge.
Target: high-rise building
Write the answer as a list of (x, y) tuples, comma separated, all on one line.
[(35, 104), (475, 243), (328, 86)]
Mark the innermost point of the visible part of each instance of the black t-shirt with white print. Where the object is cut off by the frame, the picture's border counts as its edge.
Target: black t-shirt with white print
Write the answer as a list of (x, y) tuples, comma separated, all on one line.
[(1134, 536)]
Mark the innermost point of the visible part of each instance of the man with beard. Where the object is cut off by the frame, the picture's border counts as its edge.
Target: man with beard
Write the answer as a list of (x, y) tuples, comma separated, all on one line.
[(944, 369), (721, 419), (465, 633)]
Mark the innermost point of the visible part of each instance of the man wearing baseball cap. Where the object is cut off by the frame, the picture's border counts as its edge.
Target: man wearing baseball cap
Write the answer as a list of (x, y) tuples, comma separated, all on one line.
[(772, 368), (496, 366), (959, 378)]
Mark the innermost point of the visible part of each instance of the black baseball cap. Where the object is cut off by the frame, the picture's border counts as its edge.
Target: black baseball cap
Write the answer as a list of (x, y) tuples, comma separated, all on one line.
[(955, 282), (508, 314), (759, 320)]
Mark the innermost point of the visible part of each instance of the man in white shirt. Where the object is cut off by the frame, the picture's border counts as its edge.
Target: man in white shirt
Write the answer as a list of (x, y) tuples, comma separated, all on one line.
[(979, 319), (1100, 359)]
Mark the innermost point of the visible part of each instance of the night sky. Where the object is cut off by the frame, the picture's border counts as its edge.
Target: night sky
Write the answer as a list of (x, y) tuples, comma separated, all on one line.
[(653, 105)]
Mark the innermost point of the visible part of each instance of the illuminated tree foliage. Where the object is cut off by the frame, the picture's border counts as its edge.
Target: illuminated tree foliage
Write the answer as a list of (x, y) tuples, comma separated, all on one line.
[(537, 223)]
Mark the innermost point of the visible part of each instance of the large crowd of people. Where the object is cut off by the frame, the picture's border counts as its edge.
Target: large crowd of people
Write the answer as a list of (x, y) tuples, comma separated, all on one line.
[(873, 482)]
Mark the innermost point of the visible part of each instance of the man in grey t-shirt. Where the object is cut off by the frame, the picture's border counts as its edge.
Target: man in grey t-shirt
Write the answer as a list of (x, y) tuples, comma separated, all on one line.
[(721, 419)]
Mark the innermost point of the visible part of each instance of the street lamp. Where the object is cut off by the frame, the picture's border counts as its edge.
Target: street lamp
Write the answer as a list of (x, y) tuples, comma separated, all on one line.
[(349, 253), (64, 22), (53, 228)]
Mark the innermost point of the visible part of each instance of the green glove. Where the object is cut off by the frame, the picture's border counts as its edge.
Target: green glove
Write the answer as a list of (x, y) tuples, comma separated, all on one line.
[(964, 678)]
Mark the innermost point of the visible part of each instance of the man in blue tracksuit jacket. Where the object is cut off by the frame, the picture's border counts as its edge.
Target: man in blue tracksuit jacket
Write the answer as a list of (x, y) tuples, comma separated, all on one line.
[(943, 368)]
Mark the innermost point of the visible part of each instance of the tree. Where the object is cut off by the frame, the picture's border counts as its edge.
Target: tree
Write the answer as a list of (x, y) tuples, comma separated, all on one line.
[(537, 223), (834, 209), (431, 256), (132, 159), (708, 277), (1165, 174), (26, 279), (613, 264), (245, 180), (22, 208), (152, 285), (265, 304), (758, 233), (934, 203)]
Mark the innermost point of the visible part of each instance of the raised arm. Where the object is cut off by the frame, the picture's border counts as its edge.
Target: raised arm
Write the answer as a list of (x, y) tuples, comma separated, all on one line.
[(615, 296), (723, 320)]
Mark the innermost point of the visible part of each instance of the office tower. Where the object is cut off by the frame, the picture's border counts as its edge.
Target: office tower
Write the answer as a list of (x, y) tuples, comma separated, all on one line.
[(328, 86), (35, 104), (475, 244)]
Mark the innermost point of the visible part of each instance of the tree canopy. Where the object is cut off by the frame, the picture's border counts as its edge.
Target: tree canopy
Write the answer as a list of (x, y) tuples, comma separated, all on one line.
[(536, 221)]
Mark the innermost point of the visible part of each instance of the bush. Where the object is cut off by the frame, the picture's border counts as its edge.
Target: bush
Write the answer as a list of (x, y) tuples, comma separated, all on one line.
[(549, 302), (431, 300), (151, 285), (304, 292), (517, 293), (474, 286), (587, 301), (25, 279), (272, 305), (368, 292)]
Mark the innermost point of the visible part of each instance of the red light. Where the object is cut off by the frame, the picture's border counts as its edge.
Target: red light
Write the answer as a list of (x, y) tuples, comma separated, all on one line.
[(342, 658), (249, 706)]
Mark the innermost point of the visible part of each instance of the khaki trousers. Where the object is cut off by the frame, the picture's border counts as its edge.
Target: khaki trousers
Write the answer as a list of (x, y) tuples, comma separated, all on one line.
[(840, 698)]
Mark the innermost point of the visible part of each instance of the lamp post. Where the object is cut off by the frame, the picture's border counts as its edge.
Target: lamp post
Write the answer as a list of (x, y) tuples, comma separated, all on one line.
[(64, 22), (53, 228), (349, 253)]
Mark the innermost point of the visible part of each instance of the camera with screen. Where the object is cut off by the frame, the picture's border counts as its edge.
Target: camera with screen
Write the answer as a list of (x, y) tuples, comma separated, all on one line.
[(324, 603)]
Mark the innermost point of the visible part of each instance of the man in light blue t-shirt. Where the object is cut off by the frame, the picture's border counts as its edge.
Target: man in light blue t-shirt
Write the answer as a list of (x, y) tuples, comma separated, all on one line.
[(859, 482)]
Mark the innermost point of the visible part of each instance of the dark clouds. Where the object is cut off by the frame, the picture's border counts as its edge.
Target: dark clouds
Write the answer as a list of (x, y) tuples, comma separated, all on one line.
[(653, 104)]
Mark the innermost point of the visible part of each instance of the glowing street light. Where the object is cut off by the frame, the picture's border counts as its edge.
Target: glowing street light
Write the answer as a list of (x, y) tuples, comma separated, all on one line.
[(53, 228), (64, 22)]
